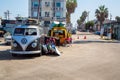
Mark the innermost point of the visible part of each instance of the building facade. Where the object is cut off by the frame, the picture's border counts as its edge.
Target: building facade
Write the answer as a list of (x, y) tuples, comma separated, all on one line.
[(113, 28), (47, 10)]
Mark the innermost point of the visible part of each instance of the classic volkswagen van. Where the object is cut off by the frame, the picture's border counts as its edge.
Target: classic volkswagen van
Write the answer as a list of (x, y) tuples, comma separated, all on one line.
[(26, 40)]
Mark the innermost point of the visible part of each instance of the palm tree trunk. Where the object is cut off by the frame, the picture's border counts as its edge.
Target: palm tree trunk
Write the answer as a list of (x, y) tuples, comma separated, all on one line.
[(68, 18), (102, 30)]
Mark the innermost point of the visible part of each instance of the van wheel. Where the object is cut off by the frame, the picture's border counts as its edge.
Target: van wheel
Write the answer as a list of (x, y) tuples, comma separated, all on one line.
[(38, 54), (42, 51), (14, 55)]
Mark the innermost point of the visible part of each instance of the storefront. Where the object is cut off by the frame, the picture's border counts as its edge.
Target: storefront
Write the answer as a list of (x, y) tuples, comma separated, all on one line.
[(114, 29)]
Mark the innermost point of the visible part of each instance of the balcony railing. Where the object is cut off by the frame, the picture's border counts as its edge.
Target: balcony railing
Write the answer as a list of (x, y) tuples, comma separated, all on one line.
[(57, 9)]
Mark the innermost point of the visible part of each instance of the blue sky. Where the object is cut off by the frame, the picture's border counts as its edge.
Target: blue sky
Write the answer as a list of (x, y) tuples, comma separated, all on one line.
[(15, 7), (21, 7), (91, 5)]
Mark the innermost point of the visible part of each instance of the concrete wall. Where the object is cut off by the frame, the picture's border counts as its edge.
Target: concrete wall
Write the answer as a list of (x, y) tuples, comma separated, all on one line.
[(47, 9)]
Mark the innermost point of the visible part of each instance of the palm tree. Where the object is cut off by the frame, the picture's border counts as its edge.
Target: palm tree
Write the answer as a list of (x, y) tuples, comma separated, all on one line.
[(84, 15), (79, 22), (117, 18), (67, 17), (82, 19), (101, 14), (70, 5)]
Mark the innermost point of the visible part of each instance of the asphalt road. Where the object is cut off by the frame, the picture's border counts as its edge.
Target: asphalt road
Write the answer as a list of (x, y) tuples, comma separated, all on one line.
[(86, 59)]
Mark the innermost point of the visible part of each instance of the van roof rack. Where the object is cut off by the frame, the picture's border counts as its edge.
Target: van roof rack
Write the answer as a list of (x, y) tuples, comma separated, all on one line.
[(31, 21)]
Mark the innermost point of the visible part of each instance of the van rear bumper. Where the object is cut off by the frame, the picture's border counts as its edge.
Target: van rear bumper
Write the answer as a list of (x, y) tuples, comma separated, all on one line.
[(25, 52)]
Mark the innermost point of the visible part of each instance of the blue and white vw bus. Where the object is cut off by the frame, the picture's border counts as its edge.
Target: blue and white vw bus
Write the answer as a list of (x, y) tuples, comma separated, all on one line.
[(26, 40)]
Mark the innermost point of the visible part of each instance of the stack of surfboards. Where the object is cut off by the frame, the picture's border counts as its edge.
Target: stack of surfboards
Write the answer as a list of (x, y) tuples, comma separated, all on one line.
[(49, 49)]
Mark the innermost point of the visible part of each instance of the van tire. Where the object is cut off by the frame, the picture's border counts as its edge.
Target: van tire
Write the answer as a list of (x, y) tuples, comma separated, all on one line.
[(42, 51), (40, 54), (14, 55), (37, 55)]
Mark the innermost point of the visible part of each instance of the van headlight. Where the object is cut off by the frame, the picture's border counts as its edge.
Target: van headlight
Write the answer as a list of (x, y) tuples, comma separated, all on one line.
[(15, 44), (34, 45)]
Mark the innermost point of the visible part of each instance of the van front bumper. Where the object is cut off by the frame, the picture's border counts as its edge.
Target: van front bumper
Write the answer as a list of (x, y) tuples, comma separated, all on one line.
[(25, 52)]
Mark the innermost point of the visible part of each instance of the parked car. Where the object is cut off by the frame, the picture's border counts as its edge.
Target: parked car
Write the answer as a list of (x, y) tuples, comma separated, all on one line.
[(83, 30), (73, 31), (97, 33), (7, 38), (105, 33), (1, 33)]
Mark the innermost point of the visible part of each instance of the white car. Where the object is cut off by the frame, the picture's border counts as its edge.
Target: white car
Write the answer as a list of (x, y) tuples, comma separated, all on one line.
[(7, 38)]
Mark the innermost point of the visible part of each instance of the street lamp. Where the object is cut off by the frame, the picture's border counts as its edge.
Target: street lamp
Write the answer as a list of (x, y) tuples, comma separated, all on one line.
[(88, 16), (110, 17)]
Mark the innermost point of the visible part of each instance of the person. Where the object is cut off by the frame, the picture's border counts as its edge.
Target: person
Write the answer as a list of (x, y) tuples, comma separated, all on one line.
[(45, 43), (58, 42), (51, 45), (68, 41)]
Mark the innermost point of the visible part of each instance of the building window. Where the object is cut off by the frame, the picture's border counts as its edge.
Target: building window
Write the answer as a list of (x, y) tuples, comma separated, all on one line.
[(47, 14), (47, 4), (35, 14), (35, 4), (58, 4), (46, 23), (54, 14), (58, 14)]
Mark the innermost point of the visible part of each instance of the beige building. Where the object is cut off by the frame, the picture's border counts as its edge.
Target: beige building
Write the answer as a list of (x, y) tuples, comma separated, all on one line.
[(49, 10)]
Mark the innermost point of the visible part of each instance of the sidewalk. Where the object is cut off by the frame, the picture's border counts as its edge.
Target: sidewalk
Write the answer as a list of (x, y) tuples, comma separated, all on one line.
[(91, 37), (113, 40)]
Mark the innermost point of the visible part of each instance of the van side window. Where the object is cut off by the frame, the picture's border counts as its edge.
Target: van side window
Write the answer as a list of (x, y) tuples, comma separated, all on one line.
[(31, 31), (34, 33)]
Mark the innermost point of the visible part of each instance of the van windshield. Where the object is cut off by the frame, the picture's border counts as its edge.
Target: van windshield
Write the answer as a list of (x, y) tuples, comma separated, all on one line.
[(25, 31), (61, 32)]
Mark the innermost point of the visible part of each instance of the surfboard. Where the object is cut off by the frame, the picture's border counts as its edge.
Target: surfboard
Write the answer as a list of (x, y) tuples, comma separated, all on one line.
[(57, 52)]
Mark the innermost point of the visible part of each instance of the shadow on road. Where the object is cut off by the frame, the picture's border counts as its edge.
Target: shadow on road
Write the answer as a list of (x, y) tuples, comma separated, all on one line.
[(3, 44), (5, 55), (92, 41)]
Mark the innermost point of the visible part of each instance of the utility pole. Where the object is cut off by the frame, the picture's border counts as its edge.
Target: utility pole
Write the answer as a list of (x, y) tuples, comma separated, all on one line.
[(7, 14), (110, 17), (18, 15), (38, 10), (88, 16)]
